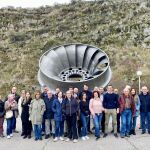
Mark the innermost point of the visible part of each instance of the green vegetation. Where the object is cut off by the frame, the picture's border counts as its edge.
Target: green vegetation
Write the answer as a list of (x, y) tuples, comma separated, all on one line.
[(119, 27)]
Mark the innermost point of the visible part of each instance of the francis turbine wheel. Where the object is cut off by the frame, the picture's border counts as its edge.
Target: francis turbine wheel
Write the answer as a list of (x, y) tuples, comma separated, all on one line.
[(74, 65)]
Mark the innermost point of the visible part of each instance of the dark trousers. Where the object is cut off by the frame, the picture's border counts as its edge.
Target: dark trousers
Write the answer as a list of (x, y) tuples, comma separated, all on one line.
[(103, 122), (72, 126), (43, 124), (27, 127), (1, 125), (118, 122), (145, 120)]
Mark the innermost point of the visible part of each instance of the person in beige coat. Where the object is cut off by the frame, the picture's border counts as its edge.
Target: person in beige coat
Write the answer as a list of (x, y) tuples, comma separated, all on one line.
[(37, 109)]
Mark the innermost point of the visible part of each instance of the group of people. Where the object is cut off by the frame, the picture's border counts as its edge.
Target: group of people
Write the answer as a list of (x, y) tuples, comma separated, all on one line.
[(68, 116)]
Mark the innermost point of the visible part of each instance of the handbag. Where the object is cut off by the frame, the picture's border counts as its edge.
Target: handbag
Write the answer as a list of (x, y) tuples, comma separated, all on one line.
[(9, 114)]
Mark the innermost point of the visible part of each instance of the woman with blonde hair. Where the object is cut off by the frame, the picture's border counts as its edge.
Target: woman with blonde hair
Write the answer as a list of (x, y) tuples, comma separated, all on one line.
[(37, 109)]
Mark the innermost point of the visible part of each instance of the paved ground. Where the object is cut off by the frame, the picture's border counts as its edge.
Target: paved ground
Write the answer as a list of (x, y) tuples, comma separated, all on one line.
[(138, 142)]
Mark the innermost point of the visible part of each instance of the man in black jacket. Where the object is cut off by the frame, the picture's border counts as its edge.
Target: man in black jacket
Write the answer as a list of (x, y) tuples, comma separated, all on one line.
[(49, 115), (145, 109)]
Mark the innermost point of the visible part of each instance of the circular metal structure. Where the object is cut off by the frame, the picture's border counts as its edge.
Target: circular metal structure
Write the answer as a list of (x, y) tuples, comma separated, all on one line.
[(74, 65)]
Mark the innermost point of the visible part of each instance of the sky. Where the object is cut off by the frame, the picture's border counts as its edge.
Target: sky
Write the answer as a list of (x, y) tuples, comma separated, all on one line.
[(30, 3)]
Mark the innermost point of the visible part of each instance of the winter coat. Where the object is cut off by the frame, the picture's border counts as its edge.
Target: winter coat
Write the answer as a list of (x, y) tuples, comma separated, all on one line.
[(25, 110), (145, 102), (2, 109), (48, 114), (70, 107), (57, 109), (36, 111), (122, 104)]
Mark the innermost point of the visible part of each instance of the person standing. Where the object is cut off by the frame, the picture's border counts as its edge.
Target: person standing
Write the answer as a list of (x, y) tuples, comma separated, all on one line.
[(36, 112), (49, 115), (58, 117), (70, 109), (118, 114), (111, 106), (127, 111), (89, 96), (2, 114), (101, 92), (137, 107), (23, 96), (84, 115), (10, 108), (44, 96), (145, 109), (96, 108), (27, 126), (16, 97)]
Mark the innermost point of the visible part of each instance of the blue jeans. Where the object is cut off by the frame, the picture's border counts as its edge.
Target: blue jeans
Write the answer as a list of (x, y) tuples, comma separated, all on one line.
[(10, 124), (97, 124), (126, 121), (145, 121), (59, 128), (85, 121), (38, 131), (133, 123)]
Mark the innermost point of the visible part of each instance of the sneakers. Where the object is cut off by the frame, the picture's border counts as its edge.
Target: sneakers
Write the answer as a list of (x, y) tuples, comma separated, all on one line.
[(83, 138), (55, 139), (67, 140), (11, 135), (61, 138), (75, 141), (87, 137), (8, 136)]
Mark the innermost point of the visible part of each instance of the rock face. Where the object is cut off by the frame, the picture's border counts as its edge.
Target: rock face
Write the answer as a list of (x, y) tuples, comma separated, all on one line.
[(121, 28)]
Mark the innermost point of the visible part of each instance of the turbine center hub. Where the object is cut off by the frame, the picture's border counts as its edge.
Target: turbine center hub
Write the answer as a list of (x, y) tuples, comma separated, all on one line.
[(74, 74)]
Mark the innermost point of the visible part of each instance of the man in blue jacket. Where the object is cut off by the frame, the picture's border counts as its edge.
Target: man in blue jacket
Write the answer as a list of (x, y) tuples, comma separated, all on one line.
[(145, 109)]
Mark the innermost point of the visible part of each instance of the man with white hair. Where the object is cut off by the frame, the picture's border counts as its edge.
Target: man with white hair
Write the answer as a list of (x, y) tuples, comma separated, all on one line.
[(145, 109), (127, 110)]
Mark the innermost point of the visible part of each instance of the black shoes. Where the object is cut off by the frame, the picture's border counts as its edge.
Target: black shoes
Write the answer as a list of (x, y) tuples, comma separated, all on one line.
[(29, 136), (97, 138), (134, 132), (105, 135), (143, 132), (22, 134), (25, 137), (116, 135), (47, 136)]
